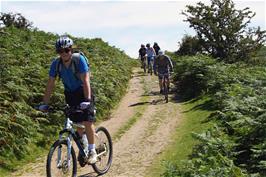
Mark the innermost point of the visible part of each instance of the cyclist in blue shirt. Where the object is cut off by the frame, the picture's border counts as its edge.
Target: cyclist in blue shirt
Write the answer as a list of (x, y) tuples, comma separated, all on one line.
[(77, 89), (150, 56)]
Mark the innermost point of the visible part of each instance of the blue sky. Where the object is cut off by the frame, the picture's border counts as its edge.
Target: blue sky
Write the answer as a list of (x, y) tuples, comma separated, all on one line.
[(124, 24)]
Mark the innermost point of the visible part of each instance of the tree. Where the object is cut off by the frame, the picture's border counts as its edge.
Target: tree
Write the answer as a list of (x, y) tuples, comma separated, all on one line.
[(190, 45), (17, 20), (223, 30)]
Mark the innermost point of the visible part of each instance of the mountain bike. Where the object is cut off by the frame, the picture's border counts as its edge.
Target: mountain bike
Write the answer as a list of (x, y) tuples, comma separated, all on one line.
[(61, 159), (165, 86), (143, 63)]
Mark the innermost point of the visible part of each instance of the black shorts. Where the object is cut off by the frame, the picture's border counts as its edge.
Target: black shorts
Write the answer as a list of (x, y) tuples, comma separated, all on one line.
[(74, 99), (163, 74)]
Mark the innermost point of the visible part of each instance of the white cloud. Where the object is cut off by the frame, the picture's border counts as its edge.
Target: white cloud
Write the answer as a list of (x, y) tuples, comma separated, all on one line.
[(125, 24), (99, 14)]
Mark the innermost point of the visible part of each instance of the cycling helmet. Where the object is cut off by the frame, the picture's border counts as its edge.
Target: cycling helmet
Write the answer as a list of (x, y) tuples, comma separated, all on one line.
[(160, 52), (142, 45), (155, 43), (148, 45), (63, 42)]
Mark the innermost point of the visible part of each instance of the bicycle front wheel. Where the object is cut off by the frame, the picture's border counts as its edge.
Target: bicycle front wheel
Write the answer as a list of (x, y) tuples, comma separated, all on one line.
[(58, 163), (104, 150), (165, 91)]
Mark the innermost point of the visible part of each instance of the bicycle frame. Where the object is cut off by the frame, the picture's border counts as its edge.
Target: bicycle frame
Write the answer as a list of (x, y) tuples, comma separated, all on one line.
[(64, 153), (68, 128)]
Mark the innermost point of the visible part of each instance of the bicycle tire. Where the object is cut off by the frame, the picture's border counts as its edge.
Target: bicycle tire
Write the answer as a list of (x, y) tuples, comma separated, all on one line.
[(109, 146), (50, 155)]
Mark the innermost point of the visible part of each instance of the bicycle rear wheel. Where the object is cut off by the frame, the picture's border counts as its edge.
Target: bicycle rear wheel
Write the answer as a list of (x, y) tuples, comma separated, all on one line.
[(57, 162), (104, 150)]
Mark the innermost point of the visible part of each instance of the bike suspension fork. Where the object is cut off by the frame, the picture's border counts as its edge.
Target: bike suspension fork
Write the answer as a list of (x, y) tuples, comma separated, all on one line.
[(69, 146)]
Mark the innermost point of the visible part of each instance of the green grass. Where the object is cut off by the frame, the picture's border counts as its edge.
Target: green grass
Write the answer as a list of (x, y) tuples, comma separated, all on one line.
[(17, 164), (193, 120)]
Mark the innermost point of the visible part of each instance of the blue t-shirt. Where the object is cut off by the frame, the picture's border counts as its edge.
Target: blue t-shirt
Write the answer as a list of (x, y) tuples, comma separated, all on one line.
[(71, 83)]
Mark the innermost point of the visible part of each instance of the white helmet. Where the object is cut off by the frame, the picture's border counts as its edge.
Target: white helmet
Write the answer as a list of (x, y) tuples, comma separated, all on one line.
[(160, 52), (63, 42)]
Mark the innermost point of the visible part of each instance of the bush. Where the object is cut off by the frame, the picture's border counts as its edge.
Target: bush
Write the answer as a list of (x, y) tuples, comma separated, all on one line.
[(26, 55), (238, 94), (190, 75)]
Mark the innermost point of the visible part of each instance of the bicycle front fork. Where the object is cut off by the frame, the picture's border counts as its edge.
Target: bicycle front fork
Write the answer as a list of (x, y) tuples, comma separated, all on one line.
[(69, 146), (59, 153)]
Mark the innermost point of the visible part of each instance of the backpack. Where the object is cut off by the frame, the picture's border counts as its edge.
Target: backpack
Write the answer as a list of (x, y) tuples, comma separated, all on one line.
[(74, 65)]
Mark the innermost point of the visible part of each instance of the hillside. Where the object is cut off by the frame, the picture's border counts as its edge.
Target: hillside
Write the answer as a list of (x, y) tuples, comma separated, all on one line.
[(25, 57)]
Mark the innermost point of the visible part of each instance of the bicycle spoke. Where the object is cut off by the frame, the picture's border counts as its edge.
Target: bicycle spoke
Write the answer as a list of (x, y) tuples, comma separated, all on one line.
[(104, 150)]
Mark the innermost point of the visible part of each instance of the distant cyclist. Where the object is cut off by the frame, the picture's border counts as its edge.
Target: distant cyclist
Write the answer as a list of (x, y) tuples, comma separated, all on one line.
[(150, 56), (142, 56), (162, 67), (156, 48)]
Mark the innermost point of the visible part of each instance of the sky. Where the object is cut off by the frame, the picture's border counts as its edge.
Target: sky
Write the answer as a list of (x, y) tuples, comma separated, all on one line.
[(123, 24)]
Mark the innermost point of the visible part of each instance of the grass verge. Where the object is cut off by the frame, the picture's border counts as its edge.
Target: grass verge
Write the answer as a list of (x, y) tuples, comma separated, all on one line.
[(193, 119), (29, 158)]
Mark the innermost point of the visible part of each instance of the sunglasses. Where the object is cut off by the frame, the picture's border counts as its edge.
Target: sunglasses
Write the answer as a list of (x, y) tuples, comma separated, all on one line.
[(62, 50)]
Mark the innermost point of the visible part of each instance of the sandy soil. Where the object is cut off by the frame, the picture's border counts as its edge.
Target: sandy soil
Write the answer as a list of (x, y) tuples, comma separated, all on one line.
[(146, 138)]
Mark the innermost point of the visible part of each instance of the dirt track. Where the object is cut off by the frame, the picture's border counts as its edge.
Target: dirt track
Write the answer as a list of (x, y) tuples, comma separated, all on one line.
[(135, 150)]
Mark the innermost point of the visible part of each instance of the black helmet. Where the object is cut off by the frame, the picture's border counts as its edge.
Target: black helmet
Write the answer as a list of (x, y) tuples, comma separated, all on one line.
[(148, 45), (142, 45)]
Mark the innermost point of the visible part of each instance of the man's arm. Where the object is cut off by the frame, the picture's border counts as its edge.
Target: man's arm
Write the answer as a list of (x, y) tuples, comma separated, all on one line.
[(49, 89), (170, 63), (85, 78)]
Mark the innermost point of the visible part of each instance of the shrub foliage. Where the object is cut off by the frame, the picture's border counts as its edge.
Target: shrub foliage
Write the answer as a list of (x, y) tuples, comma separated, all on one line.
[(25, 57), (236, 146), (223, 31)]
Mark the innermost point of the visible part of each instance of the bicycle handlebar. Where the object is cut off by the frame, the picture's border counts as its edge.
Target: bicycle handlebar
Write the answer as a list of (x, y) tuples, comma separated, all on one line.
[(65, 108)]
